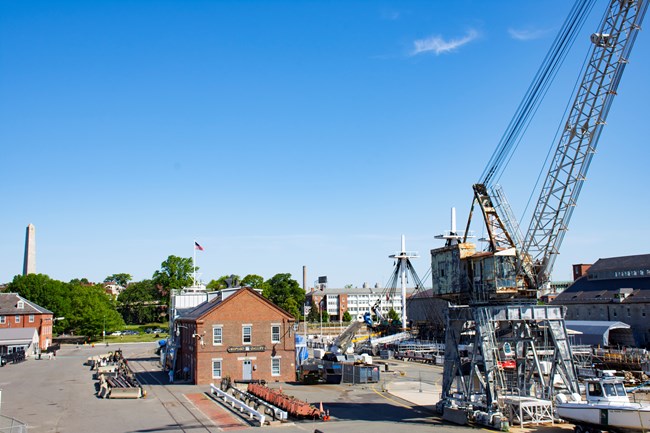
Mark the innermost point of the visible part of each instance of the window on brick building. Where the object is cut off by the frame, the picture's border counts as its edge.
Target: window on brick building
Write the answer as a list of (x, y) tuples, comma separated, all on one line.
[(275, 333), (275, 366), (216, 368), (2, 320), (17, 318), (217, 335), (247, 334), (31, 318)]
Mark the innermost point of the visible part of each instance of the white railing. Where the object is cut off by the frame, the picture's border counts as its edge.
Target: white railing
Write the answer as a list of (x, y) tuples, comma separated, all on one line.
[(275, 412), (239, 405)]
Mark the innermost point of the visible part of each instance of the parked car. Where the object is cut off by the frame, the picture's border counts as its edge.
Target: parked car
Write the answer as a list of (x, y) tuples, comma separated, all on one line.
[(116, 333)]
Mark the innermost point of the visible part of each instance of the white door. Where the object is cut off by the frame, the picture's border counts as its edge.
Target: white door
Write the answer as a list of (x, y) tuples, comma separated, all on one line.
[(248, 370)]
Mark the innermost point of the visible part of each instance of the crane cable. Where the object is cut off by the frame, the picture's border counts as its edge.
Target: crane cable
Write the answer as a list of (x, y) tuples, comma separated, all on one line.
[(558, 132), (537, 90)]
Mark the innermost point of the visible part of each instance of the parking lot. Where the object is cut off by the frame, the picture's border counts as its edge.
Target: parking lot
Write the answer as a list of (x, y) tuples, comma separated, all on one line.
[(58, 395)]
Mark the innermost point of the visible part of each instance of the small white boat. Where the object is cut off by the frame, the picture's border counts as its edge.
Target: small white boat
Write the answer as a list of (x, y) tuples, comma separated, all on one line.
[(607, 408)]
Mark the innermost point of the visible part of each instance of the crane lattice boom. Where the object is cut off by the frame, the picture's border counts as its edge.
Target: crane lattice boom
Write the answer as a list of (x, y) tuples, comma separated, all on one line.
[(567, 172)]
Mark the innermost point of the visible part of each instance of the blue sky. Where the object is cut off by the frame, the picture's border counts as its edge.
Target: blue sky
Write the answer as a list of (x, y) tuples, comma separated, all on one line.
[(283, 133)]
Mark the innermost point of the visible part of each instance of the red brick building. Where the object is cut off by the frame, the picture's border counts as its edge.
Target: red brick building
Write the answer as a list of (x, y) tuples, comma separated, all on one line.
[(18, 312), (241, 335)]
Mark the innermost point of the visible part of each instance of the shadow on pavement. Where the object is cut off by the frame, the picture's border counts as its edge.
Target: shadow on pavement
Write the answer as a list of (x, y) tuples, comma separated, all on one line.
[(380, 412)]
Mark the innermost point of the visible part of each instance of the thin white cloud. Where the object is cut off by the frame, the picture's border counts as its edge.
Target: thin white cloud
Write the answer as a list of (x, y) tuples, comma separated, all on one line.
[(390, 15), (527, 34), (439, 45)]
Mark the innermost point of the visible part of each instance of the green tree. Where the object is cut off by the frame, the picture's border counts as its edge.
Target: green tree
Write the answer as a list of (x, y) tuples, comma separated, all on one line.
[(216, 285), (254, 281), (223, 282), (83, 281), (92, 311), (291, 306), (175, 273), (392, 315), (84, 307), (326, 316), (45, 292), (314, 314), (120, 279), (347, 317), (285, 292), (140, 303)]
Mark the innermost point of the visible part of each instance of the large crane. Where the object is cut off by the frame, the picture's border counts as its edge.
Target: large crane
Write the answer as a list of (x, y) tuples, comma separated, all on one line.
[(499, 286), (612, 45), (527, 261)]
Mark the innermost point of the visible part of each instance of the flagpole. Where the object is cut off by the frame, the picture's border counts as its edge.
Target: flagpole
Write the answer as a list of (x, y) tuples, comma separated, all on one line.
[(194, 264)]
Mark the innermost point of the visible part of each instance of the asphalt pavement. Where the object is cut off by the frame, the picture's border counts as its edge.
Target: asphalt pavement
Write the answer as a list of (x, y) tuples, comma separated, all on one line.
[(59, 395)]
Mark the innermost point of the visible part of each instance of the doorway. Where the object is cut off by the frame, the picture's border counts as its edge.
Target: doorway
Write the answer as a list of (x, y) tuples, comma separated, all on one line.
[(248, 370)]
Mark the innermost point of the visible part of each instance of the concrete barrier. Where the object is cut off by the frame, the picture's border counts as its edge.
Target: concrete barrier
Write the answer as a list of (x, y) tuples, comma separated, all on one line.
[(125, 393)]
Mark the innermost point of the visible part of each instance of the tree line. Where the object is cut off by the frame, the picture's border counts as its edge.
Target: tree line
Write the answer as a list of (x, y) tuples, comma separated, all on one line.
[(84, 308)]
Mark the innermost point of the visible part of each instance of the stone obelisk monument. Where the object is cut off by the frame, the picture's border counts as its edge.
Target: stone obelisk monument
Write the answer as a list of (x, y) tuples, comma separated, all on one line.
[(29, 266)]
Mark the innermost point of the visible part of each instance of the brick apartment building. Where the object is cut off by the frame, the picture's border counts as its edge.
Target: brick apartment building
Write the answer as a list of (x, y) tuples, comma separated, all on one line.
[(18, 312), (241, 335)]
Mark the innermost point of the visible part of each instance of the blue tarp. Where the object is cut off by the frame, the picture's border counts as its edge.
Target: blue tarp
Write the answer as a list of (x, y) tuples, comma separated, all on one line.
[(302, 353)]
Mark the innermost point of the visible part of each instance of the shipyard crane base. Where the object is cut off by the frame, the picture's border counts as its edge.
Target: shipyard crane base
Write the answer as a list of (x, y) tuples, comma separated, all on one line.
[(498, 356)]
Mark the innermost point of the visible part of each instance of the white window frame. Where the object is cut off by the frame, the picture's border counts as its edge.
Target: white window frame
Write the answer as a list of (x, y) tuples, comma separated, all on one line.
[(21, 305), (220, 362), (214, 335), (276, 363), (17, 319), (31, 318), (3, 320), (273, 333), (250, 334)]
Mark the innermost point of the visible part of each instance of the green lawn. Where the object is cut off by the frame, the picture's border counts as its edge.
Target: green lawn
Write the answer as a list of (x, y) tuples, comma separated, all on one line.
[(141, 337)]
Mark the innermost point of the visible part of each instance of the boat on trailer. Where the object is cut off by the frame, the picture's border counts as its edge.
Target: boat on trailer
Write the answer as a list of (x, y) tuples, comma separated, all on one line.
[(607, 407)]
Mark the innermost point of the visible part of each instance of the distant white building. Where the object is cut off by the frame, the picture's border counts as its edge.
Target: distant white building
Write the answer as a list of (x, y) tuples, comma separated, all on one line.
[(113, 288), (356, 301)]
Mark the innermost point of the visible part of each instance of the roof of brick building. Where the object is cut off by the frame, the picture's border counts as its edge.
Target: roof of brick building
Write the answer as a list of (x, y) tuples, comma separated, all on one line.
[(9, 305)]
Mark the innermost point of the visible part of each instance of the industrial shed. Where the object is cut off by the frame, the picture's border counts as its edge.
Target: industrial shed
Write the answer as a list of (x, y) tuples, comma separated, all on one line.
[(600, 333)]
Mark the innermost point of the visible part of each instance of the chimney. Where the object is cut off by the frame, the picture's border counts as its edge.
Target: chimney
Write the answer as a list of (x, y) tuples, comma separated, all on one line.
[(580, 270)]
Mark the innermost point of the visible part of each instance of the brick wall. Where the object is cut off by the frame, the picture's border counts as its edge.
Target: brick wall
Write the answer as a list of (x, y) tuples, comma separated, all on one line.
[(244, 308), (42, 323)]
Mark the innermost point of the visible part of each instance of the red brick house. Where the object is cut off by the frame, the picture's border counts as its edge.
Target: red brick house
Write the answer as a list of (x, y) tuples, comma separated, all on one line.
[(18, 312), (240, 334)]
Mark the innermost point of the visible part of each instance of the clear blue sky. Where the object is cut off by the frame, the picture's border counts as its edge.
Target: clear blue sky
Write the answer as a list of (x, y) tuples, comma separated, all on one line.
[(287, 133)]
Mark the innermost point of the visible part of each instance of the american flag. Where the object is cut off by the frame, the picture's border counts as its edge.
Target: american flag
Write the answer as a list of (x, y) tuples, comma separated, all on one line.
[(197, 246)]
